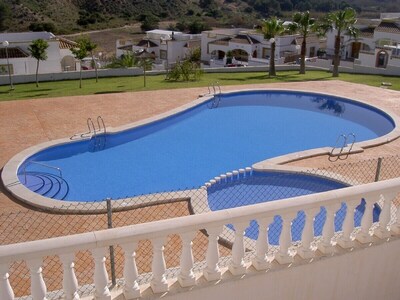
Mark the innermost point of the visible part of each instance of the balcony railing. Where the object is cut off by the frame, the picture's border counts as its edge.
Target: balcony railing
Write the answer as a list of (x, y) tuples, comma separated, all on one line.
[(130, 239)]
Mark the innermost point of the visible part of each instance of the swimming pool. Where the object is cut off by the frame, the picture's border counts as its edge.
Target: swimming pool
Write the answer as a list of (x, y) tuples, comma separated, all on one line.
[(189, 148), (270, 186)]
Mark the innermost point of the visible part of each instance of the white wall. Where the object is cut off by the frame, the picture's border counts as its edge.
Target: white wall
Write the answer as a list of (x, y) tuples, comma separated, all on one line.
[(363, 274)]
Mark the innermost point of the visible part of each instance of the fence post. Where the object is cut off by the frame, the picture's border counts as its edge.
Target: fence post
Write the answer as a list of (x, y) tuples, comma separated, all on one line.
[(378, 169), (112, 256)]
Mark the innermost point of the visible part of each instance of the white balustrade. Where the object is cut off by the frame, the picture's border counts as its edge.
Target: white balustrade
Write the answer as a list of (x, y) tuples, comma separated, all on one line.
[(128, 237), (159, 283), (212, 271), (38, 286), (384, 218), (186, 276), (237, 266), (70, 283), (395, 228), (364, 236), (346, 241), (307, 236), (328, 230), (260, 262), (100, 274), (131, 287), (285, 239), (6, 291)]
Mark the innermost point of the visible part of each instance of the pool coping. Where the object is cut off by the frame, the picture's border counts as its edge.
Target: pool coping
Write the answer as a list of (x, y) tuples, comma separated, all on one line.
[(19, 191)]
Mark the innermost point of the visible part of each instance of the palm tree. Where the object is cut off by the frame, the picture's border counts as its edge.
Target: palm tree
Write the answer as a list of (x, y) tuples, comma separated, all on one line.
[(271, 28), (80, 52), (341, 21), (303, 24), (38, 50)]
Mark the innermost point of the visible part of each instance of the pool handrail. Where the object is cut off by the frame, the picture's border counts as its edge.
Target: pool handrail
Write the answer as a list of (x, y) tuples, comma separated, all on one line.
[(40, 164)]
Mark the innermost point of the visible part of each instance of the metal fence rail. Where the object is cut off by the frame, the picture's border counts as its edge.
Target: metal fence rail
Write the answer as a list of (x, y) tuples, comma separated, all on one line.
[(16, 227)]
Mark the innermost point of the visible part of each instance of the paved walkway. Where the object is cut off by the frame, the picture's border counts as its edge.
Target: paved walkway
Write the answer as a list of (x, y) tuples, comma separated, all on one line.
[(29, 122)]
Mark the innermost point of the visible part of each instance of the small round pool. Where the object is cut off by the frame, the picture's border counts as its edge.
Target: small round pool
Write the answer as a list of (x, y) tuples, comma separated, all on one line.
[(269, 186)]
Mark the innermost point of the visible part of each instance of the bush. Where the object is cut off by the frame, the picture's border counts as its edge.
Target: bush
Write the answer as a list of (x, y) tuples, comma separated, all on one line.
[(185, 71)]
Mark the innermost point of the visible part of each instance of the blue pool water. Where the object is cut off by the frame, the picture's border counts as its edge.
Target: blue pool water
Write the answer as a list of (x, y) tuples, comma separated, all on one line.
[(190, 148), (270, 186)]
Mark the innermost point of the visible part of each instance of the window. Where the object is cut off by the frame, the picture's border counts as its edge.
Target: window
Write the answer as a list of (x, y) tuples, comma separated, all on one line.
[(163, 54)]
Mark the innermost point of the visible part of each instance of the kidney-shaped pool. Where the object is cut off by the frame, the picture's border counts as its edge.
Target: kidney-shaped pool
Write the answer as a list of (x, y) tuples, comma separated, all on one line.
[(187, 149)]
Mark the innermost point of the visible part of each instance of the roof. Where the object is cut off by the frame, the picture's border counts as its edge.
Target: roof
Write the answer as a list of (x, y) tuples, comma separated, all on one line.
[(146, 44), (244, 39), (66, 44), (126, 47), (388, 26), (367, 32), (13, 52), (26, 36)]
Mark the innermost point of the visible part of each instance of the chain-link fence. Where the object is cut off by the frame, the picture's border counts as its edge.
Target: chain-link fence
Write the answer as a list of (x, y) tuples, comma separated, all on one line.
[(237, 188)]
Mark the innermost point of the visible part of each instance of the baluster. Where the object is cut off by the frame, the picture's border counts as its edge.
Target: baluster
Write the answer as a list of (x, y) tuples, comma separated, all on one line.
[(307, 236), (285, 240), (212, 271), (131, 288), (6, 291), (395, 228), (384, 218), (364, 235), (38, 286), (260, 261), (159, 283), (70, 283), (237, 266), (345, 241), (328, 230), (186, 276), (100, 274)]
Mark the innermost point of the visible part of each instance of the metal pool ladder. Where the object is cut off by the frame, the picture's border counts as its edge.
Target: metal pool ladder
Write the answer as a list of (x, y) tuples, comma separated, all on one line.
[(215, 90), (97, 134), (341, 143)]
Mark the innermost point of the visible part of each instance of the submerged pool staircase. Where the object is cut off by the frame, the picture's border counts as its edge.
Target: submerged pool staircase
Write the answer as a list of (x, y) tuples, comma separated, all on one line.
[(44, 183), (341, 150)]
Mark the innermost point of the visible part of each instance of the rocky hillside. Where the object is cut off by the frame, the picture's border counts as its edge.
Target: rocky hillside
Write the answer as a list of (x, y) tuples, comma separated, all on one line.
[(67, 16)]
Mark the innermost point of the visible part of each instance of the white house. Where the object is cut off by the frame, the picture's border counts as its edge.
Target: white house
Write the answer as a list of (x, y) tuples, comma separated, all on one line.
[(249, 46), (167, 46), (377, 46), (16, 54)]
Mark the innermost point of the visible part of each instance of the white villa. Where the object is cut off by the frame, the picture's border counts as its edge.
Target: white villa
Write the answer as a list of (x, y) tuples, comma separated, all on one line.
[(59, 56), (249, 47), (378, 45), (167, 46)]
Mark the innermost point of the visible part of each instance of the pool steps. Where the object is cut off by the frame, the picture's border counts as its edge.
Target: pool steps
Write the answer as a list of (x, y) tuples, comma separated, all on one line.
[(230, 176), (46, 184)]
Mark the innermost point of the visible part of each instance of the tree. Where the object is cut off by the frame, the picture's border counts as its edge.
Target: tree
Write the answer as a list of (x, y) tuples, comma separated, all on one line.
[(271, 28), (90, 47), (38, 51), (5, 13), (303, 24), (342, 21), (80, 52)]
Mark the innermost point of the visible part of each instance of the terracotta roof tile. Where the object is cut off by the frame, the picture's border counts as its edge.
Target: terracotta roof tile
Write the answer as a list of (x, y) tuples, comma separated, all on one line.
[(13, 52), (146, 44), (386, 26), (367, 32)]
